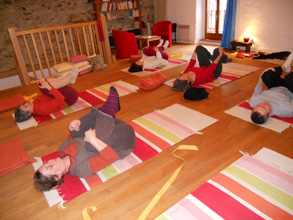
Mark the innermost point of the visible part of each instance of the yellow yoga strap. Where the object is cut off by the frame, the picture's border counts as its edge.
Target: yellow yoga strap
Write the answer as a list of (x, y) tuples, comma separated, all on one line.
[(156, 198), (168, 183)]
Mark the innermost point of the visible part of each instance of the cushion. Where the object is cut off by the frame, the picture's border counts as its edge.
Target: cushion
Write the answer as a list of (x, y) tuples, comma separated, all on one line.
[(97, 63), (134, 58), (78, 58), (60, 74), (61, 67), (85, 71), (152, 82), (11, 102), (81, 64), (12, 156), (84, 67)]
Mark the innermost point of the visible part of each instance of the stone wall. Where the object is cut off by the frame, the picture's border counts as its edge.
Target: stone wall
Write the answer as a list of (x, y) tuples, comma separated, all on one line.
[(31, 14)]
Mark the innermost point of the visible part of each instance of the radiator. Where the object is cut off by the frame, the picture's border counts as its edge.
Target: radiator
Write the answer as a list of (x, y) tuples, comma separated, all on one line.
[(183, 32)]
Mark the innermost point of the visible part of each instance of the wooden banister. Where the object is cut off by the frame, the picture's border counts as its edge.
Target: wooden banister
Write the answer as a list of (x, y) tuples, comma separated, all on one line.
[(23, 76), (38, 49)]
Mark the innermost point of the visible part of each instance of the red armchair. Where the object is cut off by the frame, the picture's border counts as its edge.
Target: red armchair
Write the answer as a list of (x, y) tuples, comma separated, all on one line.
[(125, 43), (163, 29)]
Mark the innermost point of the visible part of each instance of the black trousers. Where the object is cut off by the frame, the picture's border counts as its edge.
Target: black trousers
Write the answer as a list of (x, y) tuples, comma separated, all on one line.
[(272, 78), (204, 58)]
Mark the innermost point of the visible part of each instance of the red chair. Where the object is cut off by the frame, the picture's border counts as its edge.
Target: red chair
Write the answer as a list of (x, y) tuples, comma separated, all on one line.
[(125, 43), (163, 29)]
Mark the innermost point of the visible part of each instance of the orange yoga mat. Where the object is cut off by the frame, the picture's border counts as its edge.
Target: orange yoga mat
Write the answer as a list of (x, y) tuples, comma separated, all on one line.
[(12, 156)]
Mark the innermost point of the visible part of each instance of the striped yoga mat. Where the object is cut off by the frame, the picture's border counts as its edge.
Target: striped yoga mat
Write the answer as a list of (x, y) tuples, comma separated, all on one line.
[(230, 72), (86, 99), (243, 112), (247, 189), (155, 132), (173, 62)]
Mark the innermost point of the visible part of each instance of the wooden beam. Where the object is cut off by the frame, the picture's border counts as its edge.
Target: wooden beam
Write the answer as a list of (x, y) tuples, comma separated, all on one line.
[(23, 76)]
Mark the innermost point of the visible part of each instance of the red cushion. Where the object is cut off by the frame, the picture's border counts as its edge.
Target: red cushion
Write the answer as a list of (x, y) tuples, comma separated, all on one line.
[(11, 102), (85, 71), (152, 82), (78, 58), (134, 58)]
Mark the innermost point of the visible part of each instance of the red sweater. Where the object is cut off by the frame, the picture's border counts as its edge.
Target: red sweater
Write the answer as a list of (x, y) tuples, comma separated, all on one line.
[(84, 162), (45, 105), (202, 74)]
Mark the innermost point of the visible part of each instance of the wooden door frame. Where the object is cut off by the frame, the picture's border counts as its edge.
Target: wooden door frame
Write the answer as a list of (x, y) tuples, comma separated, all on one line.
[(212, 36)]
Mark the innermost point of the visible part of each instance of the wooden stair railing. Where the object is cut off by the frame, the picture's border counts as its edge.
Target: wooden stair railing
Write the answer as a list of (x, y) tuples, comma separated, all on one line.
[(37, 50)]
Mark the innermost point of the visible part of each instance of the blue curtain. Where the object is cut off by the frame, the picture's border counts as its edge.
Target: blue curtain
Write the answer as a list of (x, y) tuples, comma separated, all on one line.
[(229, 24)]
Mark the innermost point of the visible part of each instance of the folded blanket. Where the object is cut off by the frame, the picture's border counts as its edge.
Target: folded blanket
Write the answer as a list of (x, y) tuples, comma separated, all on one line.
[(88, 70), (11, 102), (12, 156), (152, 82)]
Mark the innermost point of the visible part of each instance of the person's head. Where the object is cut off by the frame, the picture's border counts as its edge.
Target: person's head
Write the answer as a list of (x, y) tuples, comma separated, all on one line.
[(49, 175), (261, 113), (135, 67), (23, 112), (180, 85)]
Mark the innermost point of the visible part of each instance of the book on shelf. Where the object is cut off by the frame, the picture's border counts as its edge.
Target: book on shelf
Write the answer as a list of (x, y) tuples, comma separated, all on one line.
[(136, 25), (108, 16), (130, 4), (135, 13), (114, 6)]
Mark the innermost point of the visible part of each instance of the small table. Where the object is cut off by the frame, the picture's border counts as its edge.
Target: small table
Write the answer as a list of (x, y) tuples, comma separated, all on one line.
[(247, 45), (146, 38)]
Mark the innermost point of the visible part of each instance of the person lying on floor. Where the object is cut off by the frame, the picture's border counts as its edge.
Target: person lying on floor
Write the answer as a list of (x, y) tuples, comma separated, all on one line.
[(149, 51), (210, 68), (278, 98), (152, 58), (98, 140), (55, 95)]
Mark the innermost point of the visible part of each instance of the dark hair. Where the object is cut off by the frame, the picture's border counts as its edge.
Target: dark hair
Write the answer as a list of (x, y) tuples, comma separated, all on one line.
[(21, 115), (258, 118), (46, 183), (180, 85), (135, 68)]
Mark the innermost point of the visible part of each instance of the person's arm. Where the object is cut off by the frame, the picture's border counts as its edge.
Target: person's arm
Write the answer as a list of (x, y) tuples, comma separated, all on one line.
[(59, 98), (158, 54), (192, 62), (74, 125), (106, 154), (221, 52), (193, 55), (259, 86), (78, 127), (90, 136)]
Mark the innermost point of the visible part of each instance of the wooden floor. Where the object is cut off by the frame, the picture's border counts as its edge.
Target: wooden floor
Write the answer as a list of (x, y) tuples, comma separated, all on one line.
[(126, 196)]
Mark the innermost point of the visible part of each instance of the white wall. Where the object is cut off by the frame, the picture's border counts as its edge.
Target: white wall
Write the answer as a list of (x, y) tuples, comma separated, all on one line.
[(270, 23), (183, 12), (160, 10), (200, 20)]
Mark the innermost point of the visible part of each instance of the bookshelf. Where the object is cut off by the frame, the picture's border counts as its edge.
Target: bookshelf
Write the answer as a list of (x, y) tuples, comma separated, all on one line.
[(117, 10)]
